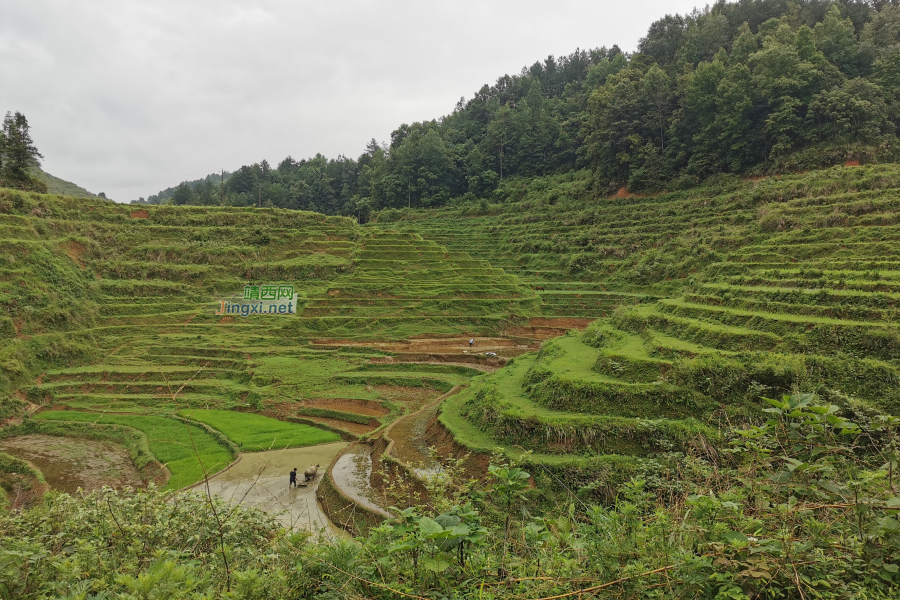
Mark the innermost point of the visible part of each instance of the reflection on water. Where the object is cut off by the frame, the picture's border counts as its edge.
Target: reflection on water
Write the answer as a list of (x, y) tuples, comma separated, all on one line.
[(351, 475), (261, 480), (410, 446)]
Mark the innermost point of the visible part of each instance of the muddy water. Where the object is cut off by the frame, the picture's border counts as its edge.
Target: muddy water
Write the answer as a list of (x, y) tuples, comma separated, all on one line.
[(72, 463), (260, 479), (351, 475), (409, 441)]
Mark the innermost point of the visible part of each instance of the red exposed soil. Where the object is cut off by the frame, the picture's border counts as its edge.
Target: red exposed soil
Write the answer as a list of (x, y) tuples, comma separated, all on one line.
[(541, 333), (354, 428), (140, 214), (289, 410), (74, 250), (441, 439), (851, 163), (624, 193), (369, 408)]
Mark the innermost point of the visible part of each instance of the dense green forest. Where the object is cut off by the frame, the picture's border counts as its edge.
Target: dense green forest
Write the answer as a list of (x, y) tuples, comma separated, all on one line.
[(751, 87), (204, 192)]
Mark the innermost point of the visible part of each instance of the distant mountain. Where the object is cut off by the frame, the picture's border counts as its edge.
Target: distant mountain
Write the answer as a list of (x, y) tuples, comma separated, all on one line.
[(55, 185)]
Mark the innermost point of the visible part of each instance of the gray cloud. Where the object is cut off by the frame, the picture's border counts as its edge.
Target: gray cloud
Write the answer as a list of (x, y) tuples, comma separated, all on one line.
[(130, 97)]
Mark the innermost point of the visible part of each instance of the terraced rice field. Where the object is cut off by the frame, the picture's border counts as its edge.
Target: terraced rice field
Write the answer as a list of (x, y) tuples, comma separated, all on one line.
[(122, 311), (707, 300)]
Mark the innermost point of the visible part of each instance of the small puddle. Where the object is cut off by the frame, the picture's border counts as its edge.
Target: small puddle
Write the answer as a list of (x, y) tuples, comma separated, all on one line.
[(260, 480), (351, 474), (70, 463)]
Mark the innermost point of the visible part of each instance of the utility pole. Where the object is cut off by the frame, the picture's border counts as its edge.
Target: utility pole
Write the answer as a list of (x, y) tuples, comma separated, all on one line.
[(408, 191), (222, 190), (259, 195)]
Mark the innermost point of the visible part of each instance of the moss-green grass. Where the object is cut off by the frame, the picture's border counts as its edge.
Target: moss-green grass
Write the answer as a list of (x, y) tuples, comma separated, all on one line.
[(187, 450), (257, 432)]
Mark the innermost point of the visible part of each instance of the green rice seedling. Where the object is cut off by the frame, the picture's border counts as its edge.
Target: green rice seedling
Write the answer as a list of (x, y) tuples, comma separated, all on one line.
[(256, 432)]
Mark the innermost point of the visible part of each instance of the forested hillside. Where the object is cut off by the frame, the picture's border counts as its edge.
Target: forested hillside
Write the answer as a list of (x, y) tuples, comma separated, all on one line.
[(203, 192), (752, 87)]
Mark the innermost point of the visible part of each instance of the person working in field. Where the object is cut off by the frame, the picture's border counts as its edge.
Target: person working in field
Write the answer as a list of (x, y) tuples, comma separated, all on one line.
[(471, 342), (293, 481)]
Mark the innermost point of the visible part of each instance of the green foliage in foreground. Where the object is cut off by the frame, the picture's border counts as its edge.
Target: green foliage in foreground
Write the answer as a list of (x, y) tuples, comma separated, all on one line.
[(256, 432), (187, 450), (804, 509)]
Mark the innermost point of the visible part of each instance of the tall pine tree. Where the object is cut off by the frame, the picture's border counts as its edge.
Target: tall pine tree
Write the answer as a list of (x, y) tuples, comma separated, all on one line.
[(18, 154)]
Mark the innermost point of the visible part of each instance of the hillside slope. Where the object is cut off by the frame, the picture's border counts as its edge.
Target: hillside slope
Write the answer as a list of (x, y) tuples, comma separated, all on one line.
[(707, 300), (114, 308), (61, 187)]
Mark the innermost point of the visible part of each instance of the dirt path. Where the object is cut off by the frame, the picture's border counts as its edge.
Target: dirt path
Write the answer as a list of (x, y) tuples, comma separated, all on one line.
[(72, 463)]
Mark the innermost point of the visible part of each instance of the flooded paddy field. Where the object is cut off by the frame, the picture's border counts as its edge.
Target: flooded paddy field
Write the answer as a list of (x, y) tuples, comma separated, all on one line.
[(71, 463), (352, 475), (410, 446), (260, 480)]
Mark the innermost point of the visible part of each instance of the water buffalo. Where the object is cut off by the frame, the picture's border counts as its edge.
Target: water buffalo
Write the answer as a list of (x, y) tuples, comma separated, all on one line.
[(310, 473)]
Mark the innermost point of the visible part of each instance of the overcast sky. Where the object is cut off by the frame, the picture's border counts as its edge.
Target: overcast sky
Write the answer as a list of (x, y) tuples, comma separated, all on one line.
[(129, 97)]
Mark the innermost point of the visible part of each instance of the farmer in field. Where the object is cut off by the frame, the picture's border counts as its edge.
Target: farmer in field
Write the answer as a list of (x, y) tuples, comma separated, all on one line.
[(293, 478), (471, 342)]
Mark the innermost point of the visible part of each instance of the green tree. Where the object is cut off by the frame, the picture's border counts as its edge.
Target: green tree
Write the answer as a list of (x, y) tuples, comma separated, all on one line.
[(499, 134), (836, 38), (856, 111), (658, 90), (183, 195), (19, 154)]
